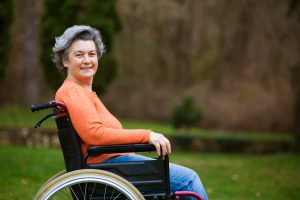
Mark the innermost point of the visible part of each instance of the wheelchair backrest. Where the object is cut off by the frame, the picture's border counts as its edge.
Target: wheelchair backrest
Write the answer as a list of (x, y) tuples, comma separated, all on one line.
[(70, 143)]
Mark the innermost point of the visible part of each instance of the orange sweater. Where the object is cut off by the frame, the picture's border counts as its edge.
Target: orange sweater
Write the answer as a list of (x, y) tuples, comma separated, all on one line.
[(93, 122)]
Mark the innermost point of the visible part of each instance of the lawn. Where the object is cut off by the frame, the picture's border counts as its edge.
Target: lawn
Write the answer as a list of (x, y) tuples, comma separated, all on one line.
[(226, 176), (22, 117)]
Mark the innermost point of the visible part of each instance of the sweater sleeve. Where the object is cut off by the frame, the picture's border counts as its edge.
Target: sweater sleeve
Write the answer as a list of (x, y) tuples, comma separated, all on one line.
[(89, 126)]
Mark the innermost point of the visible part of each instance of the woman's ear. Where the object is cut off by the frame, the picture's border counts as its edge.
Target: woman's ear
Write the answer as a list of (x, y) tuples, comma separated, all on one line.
[(65, 62)]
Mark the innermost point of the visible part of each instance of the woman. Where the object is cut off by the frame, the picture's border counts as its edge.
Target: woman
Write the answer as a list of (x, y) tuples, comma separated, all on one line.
[(76, 53)]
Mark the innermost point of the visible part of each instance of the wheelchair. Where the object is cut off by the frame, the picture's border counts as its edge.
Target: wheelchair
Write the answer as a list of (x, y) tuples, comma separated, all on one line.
[(100, 181)]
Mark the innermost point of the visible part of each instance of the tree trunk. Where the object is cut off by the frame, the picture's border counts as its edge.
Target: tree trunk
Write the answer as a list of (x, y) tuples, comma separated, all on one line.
[(23, 76), (296, 84)]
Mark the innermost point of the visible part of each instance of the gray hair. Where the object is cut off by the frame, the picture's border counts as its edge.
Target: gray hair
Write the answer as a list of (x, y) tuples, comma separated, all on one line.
[(63, 42)]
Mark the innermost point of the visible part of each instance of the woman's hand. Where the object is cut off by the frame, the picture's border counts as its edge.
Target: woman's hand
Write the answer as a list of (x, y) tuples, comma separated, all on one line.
[(161, 143)]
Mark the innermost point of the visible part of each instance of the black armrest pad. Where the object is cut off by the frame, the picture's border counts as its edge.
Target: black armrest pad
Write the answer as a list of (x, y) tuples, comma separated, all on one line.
[(124, 148)]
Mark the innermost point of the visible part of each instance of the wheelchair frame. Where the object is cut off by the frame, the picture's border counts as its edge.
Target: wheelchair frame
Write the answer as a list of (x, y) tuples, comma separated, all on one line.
[(133, 180)]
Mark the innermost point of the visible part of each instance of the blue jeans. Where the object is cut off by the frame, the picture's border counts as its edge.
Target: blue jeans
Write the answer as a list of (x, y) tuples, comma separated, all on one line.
[(181, 178)]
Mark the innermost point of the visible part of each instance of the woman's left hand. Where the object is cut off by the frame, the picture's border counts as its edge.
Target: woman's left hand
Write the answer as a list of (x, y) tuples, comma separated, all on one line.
[(161, 143)]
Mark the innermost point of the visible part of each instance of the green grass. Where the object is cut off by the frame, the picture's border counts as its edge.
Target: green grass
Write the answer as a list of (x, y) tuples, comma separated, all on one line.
[(246, 176), (23, 170), (225, 176), (167, 129), (21, 116)]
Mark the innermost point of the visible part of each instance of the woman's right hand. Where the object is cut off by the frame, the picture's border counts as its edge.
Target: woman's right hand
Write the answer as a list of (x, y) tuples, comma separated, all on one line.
[(161, 143)]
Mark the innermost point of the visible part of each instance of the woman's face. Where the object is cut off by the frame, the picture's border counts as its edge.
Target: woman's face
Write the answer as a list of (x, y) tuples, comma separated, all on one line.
[(82, 61)]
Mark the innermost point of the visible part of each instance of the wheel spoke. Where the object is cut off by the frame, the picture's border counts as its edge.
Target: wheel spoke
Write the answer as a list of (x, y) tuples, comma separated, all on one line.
[(112, 194), (80, 186), (105, 191), (117, 196), (74, 194), (85, 191), (92, 193)]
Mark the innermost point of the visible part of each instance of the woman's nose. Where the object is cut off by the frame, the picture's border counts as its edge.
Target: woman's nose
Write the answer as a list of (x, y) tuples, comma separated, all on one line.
[(86, 59)]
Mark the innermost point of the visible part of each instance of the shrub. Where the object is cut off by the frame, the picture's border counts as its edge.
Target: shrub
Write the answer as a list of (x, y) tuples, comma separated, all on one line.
[(186, 114)]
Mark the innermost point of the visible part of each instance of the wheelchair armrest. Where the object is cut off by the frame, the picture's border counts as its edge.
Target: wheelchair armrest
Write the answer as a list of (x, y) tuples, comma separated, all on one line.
[(123, 148)]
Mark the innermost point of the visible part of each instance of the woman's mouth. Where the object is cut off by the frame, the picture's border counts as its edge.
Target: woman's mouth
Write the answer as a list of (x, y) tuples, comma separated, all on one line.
[(86, 68)]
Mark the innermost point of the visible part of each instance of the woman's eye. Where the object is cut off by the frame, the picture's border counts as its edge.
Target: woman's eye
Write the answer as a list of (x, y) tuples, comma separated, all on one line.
[(92, 54), (78, 55)]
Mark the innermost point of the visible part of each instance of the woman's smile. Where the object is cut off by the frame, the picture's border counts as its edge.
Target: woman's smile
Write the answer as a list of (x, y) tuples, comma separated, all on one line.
[(86, 68)]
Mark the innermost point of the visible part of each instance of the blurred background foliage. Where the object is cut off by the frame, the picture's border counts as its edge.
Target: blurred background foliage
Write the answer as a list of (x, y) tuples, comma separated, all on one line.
[(238, 59)]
